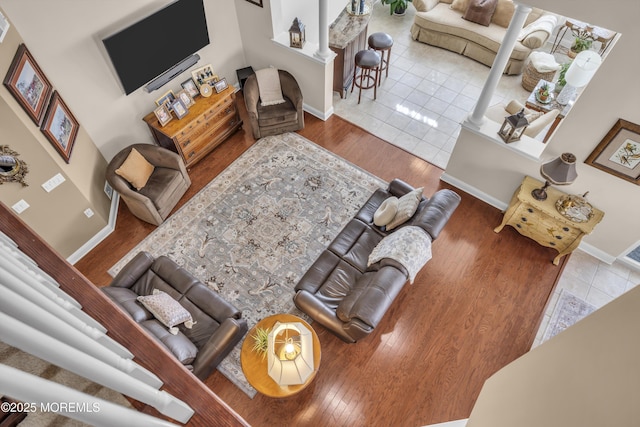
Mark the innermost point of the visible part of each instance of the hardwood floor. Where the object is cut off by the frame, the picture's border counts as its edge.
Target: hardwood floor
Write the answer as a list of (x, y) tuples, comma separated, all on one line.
[(474, 308)]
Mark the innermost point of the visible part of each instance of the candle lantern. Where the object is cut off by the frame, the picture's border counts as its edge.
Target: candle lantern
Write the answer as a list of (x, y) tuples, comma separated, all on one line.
[(296, 34)]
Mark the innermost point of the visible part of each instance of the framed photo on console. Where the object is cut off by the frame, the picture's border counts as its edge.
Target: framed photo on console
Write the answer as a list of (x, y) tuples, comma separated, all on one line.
[(167, 98), (204, 75), (60, 127), (163, 114), (220, 85), (28, 84), (619, 152), (179, 108), (190, 86), (186, 98)]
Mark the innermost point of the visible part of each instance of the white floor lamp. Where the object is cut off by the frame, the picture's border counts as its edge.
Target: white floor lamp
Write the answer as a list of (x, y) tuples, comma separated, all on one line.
[(583, 67)]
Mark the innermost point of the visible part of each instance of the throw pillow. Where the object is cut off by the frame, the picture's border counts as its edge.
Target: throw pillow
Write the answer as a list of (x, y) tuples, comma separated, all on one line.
[(167, 310), (407, 206), (386, 212), (480, 11), (503, 13), (136, 169), (460, 5)]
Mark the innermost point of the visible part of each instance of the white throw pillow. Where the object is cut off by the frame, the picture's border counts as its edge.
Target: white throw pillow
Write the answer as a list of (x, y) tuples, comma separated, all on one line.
[(386, 212), (407, 206), (167, 310)]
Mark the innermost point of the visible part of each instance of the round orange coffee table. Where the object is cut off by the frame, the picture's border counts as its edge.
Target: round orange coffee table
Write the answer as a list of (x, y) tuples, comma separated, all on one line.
[(254, 366)]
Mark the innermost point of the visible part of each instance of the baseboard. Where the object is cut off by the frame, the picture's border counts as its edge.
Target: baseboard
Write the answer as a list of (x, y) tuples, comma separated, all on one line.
[(319, 114), (474, 191), (587, 248), (101, 235)]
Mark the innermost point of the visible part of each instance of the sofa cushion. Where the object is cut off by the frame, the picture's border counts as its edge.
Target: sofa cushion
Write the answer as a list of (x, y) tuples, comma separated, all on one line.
[(167, 310), (126, 299), (135, 169), (277, 114), (503, 13), (460, 5), (183, 349), (354, 243), (480, 11), (407, 206), (386, 212)]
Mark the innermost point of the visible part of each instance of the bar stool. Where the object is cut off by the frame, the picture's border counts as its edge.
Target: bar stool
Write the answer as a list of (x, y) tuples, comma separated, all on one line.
[(368, 61), (382, 42)]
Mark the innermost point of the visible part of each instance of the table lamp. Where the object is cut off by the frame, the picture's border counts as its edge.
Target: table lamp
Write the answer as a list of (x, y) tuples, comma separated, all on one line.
[(290, 353), (559, 171), (580, 72)]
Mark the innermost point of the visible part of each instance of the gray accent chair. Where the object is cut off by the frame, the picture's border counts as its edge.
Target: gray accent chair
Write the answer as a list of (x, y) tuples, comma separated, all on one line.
[(169, 181), (274, 119)]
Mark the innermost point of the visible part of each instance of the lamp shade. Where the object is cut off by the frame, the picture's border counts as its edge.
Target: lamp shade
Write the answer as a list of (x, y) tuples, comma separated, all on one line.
[(560, 171), (290, 353), (583, 67)]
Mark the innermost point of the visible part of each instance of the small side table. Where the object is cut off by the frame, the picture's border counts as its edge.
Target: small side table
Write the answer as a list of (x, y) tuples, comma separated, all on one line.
[(254, 366), (534, 104), (541, 221), (243, 74)]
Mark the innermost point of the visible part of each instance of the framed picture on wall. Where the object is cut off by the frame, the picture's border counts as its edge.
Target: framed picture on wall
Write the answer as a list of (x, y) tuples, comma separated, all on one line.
[(256, 2), (619, 152), (28, 84), (60, 127)]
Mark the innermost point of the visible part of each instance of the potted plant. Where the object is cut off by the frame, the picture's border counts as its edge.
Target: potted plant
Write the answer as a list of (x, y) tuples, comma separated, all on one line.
[(261, 341), (397, 7), (543, 92), (561, 81), (582, 41)]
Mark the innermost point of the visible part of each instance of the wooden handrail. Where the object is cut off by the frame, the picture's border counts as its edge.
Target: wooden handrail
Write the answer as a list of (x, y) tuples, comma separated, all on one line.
[(209, 409)]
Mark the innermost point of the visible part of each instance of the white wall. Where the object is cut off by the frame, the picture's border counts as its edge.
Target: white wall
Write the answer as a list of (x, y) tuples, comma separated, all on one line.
[(64, 36), (612, 94)]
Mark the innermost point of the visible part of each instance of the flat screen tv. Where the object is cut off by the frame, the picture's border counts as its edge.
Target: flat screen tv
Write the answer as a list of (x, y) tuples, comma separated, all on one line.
[(151, 46)]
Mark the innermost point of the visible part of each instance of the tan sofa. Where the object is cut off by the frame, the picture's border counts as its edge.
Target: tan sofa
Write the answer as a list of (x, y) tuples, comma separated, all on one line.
[(440, 23)]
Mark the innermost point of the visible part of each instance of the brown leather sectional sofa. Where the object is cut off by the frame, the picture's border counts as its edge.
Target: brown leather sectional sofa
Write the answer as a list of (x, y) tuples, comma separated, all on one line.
[(218, 326), (340, 292)]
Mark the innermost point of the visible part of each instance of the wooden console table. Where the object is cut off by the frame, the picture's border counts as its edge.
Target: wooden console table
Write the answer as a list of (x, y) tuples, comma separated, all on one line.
[(541, 221), (347, 36), (208, 123)]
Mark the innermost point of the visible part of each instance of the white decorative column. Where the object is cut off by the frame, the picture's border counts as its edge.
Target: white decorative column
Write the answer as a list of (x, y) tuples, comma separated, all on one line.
[(499, 63), (323, 37)]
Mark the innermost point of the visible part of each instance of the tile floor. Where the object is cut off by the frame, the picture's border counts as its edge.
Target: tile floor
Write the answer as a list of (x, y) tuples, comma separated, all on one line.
[(419, 108)]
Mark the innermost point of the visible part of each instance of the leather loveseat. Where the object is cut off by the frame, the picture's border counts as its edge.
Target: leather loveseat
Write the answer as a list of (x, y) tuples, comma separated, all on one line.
[(440, 23), (345, 295), (217, 325)]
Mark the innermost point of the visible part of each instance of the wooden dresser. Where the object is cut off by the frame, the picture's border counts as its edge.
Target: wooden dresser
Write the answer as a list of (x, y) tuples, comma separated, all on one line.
[(207, 124), (541, 221)]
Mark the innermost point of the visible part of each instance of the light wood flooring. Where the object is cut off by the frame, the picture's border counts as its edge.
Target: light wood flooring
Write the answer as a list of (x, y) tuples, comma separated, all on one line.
[(475, 307)]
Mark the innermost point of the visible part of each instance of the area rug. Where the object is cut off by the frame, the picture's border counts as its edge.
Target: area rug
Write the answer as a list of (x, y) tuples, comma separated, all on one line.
[(254, 230), (569, 310)]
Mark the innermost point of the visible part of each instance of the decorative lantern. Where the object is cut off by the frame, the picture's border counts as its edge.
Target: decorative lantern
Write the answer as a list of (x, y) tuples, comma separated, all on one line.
[(296, 34), (513, 127)]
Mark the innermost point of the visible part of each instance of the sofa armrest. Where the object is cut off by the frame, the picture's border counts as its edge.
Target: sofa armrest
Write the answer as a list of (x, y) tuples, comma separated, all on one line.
[(134, 269), (436, 212), (321, 313), (535, 39), (425, 5), (228, 334), (399, 188)]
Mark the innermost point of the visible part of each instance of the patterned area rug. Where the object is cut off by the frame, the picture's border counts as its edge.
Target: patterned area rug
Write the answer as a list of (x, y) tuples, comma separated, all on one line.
[(569, 310), (254, 230)]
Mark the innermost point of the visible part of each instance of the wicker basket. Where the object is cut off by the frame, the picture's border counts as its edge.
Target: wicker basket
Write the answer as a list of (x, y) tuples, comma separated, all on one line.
[(531, 77)]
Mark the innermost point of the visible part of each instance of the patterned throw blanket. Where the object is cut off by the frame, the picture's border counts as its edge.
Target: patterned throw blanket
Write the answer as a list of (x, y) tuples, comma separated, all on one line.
[(410, 246)]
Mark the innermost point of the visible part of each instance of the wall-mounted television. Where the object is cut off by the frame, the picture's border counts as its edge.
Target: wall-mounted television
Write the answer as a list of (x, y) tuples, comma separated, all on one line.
[(153, 45)]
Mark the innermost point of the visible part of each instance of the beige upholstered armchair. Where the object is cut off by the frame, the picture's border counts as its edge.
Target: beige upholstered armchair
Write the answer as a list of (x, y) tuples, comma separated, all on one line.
[(153, 198), (279, 118)]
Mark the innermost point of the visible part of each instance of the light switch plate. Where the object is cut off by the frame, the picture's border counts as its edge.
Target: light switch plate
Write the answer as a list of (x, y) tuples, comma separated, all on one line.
[(53, 182), (20, 207)]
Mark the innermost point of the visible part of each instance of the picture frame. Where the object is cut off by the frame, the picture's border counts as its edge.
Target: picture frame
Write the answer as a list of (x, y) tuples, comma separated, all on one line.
[(28, 84), (179, 108), (256, 2), (203, 75), (186, 98), (167, 98), (60, 126), (163, 114), (619, 152), (220, 85), (190, 86)]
